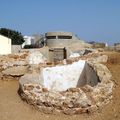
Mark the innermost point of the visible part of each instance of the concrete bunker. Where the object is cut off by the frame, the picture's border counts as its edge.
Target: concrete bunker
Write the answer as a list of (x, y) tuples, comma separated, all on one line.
[(59, 39)]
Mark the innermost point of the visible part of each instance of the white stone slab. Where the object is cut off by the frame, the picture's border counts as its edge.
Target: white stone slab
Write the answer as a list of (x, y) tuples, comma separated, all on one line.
[(60, 78)]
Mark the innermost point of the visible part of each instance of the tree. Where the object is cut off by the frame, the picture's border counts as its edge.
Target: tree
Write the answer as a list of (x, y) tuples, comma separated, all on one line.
[(16, 37)]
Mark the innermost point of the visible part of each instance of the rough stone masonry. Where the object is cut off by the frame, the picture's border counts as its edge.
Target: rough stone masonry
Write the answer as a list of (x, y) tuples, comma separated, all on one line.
[(90, 82), (81, 97)]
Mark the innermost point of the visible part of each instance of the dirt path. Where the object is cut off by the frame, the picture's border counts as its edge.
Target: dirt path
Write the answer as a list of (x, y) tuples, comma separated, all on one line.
[(13, 108)]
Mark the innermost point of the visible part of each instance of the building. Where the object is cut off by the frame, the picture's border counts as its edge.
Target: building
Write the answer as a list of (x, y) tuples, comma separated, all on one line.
[(33, 41), (61, 44), (5, 45), (29, 40), (60, 39)]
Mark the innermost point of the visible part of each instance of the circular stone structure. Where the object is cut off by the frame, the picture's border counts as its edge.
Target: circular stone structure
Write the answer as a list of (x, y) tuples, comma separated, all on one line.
[(78, 87)]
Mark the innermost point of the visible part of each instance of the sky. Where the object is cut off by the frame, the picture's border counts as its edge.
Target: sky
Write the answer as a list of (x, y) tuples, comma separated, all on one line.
[(91, 20)]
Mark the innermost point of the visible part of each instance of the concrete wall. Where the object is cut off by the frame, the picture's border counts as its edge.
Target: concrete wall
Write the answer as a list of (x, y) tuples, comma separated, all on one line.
[(16, 48), (88, 76), (5, 45), (57, 54), (57, 42)]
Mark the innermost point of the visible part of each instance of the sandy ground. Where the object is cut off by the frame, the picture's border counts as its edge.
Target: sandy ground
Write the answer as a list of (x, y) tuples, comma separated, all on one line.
[(13, 108)]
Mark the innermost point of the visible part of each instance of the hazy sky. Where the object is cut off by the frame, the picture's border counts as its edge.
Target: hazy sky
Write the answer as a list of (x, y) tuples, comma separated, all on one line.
[(91, 20)]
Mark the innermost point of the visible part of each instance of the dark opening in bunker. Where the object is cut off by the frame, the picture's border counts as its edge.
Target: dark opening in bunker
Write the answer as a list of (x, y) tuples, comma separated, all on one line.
[(64, 37), (51, 37)]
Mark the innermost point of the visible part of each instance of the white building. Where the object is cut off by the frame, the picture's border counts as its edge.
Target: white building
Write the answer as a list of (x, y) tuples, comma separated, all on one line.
[(5, 45), (29, 40)]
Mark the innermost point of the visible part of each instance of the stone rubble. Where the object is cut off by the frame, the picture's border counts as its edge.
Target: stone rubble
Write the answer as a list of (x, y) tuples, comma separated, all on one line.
[(14, 66), (63, 101), (36, 58), (73, 100), (27, 66), (72, 55)]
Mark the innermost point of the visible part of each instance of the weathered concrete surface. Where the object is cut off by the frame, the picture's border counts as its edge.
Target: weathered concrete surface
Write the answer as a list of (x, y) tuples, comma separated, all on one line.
[(88, 76), (29, 78)]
